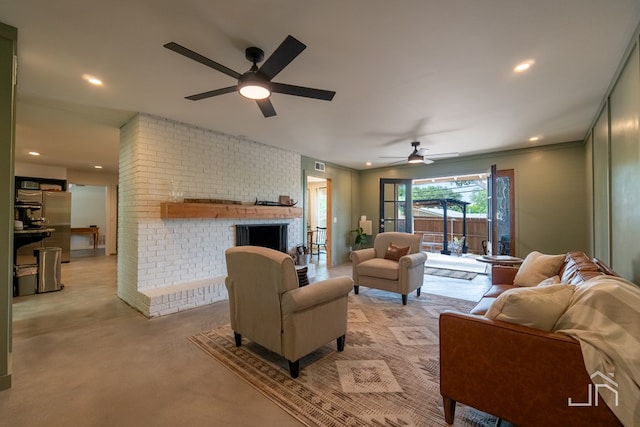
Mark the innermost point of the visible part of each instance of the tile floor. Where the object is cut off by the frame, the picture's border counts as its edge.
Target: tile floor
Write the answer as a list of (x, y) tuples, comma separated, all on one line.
[(83, 357)]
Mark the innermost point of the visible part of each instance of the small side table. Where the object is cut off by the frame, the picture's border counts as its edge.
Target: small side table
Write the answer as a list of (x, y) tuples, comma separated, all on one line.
[(491, 260), (500, 260), (93, 231)]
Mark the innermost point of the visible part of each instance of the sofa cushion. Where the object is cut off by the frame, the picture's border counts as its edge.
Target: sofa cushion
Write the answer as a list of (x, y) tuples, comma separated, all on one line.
[(395, 252), (483, 306), (496, 290), (535, 307), (537, 267), (379, 267)]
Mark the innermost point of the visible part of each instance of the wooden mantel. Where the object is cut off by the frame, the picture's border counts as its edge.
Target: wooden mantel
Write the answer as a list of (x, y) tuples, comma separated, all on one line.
[(170, 210)]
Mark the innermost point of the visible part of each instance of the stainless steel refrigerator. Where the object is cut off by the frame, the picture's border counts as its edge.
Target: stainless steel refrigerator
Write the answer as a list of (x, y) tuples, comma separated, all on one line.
[(56, 209)]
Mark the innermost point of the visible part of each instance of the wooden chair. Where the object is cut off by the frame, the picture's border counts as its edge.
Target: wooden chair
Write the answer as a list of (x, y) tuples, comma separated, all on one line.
[(319, 239)]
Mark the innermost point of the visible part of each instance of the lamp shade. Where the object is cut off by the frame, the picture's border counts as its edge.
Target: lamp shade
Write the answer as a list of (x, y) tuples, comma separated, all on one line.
[(366, 226)]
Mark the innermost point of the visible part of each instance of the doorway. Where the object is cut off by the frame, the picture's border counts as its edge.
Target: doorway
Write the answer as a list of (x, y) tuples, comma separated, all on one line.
[(319, 217), (89, 224), (451, 208)]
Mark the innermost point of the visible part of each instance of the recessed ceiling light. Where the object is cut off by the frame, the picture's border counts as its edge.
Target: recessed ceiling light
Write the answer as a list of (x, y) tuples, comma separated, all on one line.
[(524, 66), (368, 163), (34, 153), (92, 79), (98, 167), (535, 138)]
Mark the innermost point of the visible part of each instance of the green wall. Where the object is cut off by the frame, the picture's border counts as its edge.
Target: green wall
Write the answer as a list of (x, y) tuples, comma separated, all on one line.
[(616, 164), (551, 192), (8, 42), (552, 195)]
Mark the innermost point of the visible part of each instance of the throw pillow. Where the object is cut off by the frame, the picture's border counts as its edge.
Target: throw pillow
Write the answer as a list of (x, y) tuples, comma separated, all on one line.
[(537, 267), (395, 252), (537, 307)]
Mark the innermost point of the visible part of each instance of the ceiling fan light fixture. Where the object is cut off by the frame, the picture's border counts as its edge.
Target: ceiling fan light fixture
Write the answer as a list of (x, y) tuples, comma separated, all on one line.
[(253, 86), (415, 158)]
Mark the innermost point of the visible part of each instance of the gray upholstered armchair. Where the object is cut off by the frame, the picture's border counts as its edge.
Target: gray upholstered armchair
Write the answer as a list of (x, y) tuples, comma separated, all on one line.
[(267, 306), (384, 267)]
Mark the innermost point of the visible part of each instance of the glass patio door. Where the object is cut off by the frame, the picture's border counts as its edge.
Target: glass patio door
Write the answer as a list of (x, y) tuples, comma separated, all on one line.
[(500, 212), (395, 205)]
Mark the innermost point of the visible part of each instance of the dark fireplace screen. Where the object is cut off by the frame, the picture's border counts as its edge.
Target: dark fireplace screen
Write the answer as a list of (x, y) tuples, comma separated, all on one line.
[(272, 236)]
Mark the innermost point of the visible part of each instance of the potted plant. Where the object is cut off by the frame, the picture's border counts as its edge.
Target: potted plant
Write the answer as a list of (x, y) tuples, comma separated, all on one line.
[(361, 237)]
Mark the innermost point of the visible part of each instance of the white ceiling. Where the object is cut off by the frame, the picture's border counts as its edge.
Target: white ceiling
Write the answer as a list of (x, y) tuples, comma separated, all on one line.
[(440, 71)]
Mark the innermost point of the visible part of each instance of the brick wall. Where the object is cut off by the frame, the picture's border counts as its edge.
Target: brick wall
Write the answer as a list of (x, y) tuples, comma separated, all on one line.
[(166, 266)]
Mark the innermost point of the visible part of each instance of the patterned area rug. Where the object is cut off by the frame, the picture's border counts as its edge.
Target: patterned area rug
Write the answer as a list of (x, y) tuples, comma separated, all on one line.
[(446, 272), (386, 376)]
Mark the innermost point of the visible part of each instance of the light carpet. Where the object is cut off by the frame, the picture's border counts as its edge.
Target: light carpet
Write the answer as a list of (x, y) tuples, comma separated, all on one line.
[(388, 374), (447, 272)]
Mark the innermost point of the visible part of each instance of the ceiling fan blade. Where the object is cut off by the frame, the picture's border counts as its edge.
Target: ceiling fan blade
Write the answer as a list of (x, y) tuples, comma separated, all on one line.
[(201, 59), (282, 56), (442, 156), (266, 107), (211, 93), (307, 92)]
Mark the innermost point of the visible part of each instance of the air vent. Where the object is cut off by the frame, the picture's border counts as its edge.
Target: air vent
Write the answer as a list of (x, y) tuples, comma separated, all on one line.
[(320, 166)]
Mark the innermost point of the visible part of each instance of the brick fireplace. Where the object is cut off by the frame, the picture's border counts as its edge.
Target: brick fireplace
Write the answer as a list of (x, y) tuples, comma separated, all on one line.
[(166, 265)]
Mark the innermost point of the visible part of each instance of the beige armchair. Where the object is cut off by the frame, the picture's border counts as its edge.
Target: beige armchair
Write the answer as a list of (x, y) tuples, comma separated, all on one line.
[(267, 306), (372, 269)]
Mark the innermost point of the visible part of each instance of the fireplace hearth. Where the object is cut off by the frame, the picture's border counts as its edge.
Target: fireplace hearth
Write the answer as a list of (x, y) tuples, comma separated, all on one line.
[(272, 236)]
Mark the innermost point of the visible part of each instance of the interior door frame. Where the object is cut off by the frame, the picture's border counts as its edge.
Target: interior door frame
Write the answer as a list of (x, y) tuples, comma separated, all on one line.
[(329, 214), (329, 223)]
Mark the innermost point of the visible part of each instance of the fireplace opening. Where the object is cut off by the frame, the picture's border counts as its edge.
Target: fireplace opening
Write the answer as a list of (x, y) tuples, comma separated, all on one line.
[(272, 236)]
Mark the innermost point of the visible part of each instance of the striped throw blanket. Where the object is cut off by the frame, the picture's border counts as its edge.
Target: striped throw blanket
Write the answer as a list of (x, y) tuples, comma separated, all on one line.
[(604, 316)]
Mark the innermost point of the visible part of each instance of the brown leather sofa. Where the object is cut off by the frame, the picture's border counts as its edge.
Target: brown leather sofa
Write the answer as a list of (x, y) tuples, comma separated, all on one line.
[(519, 374)]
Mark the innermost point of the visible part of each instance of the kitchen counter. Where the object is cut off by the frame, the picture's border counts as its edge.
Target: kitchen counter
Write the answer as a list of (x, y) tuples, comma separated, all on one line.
[(32, 231), (29, 235)]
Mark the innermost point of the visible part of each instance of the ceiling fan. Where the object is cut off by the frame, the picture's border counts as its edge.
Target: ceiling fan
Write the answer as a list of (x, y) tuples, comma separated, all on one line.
[(256, 83), (420, 155)]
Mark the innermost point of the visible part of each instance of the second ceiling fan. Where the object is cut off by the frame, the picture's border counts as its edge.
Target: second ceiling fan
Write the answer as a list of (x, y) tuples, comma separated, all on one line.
[(256, 83), (420, 155)]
